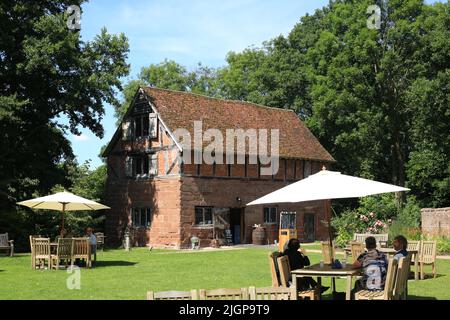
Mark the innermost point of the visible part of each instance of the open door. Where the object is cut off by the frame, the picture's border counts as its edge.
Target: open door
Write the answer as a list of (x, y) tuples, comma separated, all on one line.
[(237, 225)]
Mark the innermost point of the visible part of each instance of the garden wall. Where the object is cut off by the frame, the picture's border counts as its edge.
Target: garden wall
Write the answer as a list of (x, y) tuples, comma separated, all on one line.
[(436, 222)]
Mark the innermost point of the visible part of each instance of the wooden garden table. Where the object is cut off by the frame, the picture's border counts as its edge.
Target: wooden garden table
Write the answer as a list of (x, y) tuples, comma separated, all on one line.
[(316, 271), (391, 252)]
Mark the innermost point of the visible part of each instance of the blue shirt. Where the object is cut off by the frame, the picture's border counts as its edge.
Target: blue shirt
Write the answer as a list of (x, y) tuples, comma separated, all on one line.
[(93, 239), (399, 254)]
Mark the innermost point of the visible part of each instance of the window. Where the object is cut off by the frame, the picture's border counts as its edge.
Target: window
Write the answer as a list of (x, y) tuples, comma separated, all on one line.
[(203, 215), (145, 125), (141, 166), (270, 215), (141, 217)]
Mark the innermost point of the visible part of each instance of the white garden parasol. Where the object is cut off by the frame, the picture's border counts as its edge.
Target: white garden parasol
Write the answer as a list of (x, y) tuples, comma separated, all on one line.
[(63, 201)]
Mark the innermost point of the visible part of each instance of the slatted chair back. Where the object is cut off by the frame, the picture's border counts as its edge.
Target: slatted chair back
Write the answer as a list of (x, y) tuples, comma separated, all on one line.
[(42, 248), (274, 272), (224, 294), (4, 241), (428, 252), (272, 293), (413, 245), (285, 271), (82, 250), (359, 237), (100, 238), (401, 282), (65, 248), (326, 248), (381, 238), (173, 295), (390, 279), (357, 249)]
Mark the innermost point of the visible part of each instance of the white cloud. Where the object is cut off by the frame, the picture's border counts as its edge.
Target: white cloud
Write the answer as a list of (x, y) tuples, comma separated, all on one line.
[(81, 137)]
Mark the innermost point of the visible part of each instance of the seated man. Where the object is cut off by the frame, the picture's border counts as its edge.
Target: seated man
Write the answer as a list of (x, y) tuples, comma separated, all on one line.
[(374, 264), (298, 261), (400, 244)]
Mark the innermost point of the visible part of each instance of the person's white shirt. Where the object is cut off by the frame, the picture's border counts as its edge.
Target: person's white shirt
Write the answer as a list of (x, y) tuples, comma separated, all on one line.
[(93, 239)]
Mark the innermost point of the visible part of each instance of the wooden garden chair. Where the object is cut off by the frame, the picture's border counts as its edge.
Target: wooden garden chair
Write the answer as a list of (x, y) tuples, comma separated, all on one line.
[(388, 292), (414, 245), (224, 294), (427, 257), (42, 253), (82, 250), (64, 252), (357, 248), (33, 255), (326, 248), (100, 239), (6, 244), (173, 295), (285, 275), (274, 272), (272, 293), (401, 282)]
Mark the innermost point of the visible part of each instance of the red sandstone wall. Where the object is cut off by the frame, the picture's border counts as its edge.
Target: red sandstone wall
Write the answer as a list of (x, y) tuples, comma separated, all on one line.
[(161, 195), (220, 193)]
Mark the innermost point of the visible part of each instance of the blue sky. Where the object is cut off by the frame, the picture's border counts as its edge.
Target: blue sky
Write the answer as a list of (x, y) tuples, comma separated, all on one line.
[(187, 31)]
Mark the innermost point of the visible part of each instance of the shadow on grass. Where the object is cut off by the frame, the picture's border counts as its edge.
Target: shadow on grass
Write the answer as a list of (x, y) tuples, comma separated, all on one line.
[(428, 276), (100, 264), (411, 297)]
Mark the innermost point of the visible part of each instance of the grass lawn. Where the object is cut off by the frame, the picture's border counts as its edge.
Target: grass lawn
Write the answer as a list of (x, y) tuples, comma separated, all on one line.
[(129, 275)]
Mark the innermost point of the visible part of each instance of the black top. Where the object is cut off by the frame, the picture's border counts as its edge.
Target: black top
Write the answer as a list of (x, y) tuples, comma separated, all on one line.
[(296, 259)]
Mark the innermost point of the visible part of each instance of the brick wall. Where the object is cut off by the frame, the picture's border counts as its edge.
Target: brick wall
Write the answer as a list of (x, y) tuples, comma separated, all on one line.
[(436, 222), (161, 195), (222, 193)]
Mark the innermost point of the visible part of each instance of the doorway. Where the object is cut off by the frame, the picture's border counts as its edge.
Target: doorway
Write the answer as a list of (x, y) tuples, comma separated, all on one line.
[(309, 227), (237, 225)]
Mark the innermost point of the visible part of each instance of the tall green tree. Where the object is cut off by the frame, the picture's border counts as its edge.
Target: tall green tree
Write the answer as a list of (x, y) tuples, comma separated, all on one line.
[(48, 72), (173, 76)]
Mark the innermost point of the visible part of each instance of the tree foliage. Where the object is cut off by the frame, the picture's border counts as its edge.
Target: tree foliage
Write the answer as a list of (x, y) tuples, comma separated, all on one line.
[(47, 72), (377, 99)]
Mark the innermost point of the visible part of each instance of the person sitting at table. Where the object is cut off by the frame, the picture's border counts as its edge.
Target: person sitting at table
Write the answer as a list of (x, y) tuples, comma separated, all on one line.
[(93, 242), (297, 260), (62, 234), (374, 264), (400, 244)]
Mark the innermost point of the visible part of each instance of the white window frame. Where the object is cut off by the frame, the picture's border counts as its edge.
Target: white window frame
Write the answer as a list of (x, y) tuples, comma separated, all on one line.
[(203, 224)]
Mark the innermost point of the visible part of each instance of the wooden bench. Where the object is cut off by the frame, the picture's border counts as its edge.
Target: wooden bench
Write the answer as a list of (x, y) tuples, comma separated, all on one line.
[(6, 244), (381, 238)]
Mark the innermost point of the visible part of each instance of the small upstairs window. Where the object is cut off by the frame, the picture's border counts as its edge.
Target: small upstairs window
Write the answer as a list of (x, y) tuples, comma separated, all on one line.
[(141, 166)]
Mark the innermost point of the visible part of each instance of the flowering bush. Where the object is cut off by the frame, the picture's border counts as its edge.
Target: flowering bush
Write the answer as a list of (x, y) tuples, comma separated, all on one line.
[(371, 224)]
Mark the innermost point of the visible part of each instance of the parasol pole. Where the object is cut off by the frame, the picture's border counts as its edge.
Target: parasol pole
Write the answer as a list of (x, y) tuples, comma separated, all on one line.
[(62, 213), (330, 236)]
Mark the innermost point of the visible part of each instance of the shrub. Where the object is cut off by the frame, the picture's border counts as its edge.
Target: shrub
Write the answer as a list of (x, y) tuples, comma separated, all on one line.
[(442, 244)]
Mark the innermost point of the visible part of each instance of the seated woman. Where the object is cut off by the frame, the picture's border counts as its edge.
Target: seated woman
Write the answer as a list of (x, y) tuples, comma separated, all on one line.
[(298, 260)]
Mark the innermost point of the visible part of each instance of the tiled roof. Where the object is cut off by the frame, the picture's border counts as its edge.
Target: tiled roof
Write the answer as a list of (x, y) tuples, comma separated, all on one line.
[(181, 109)]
